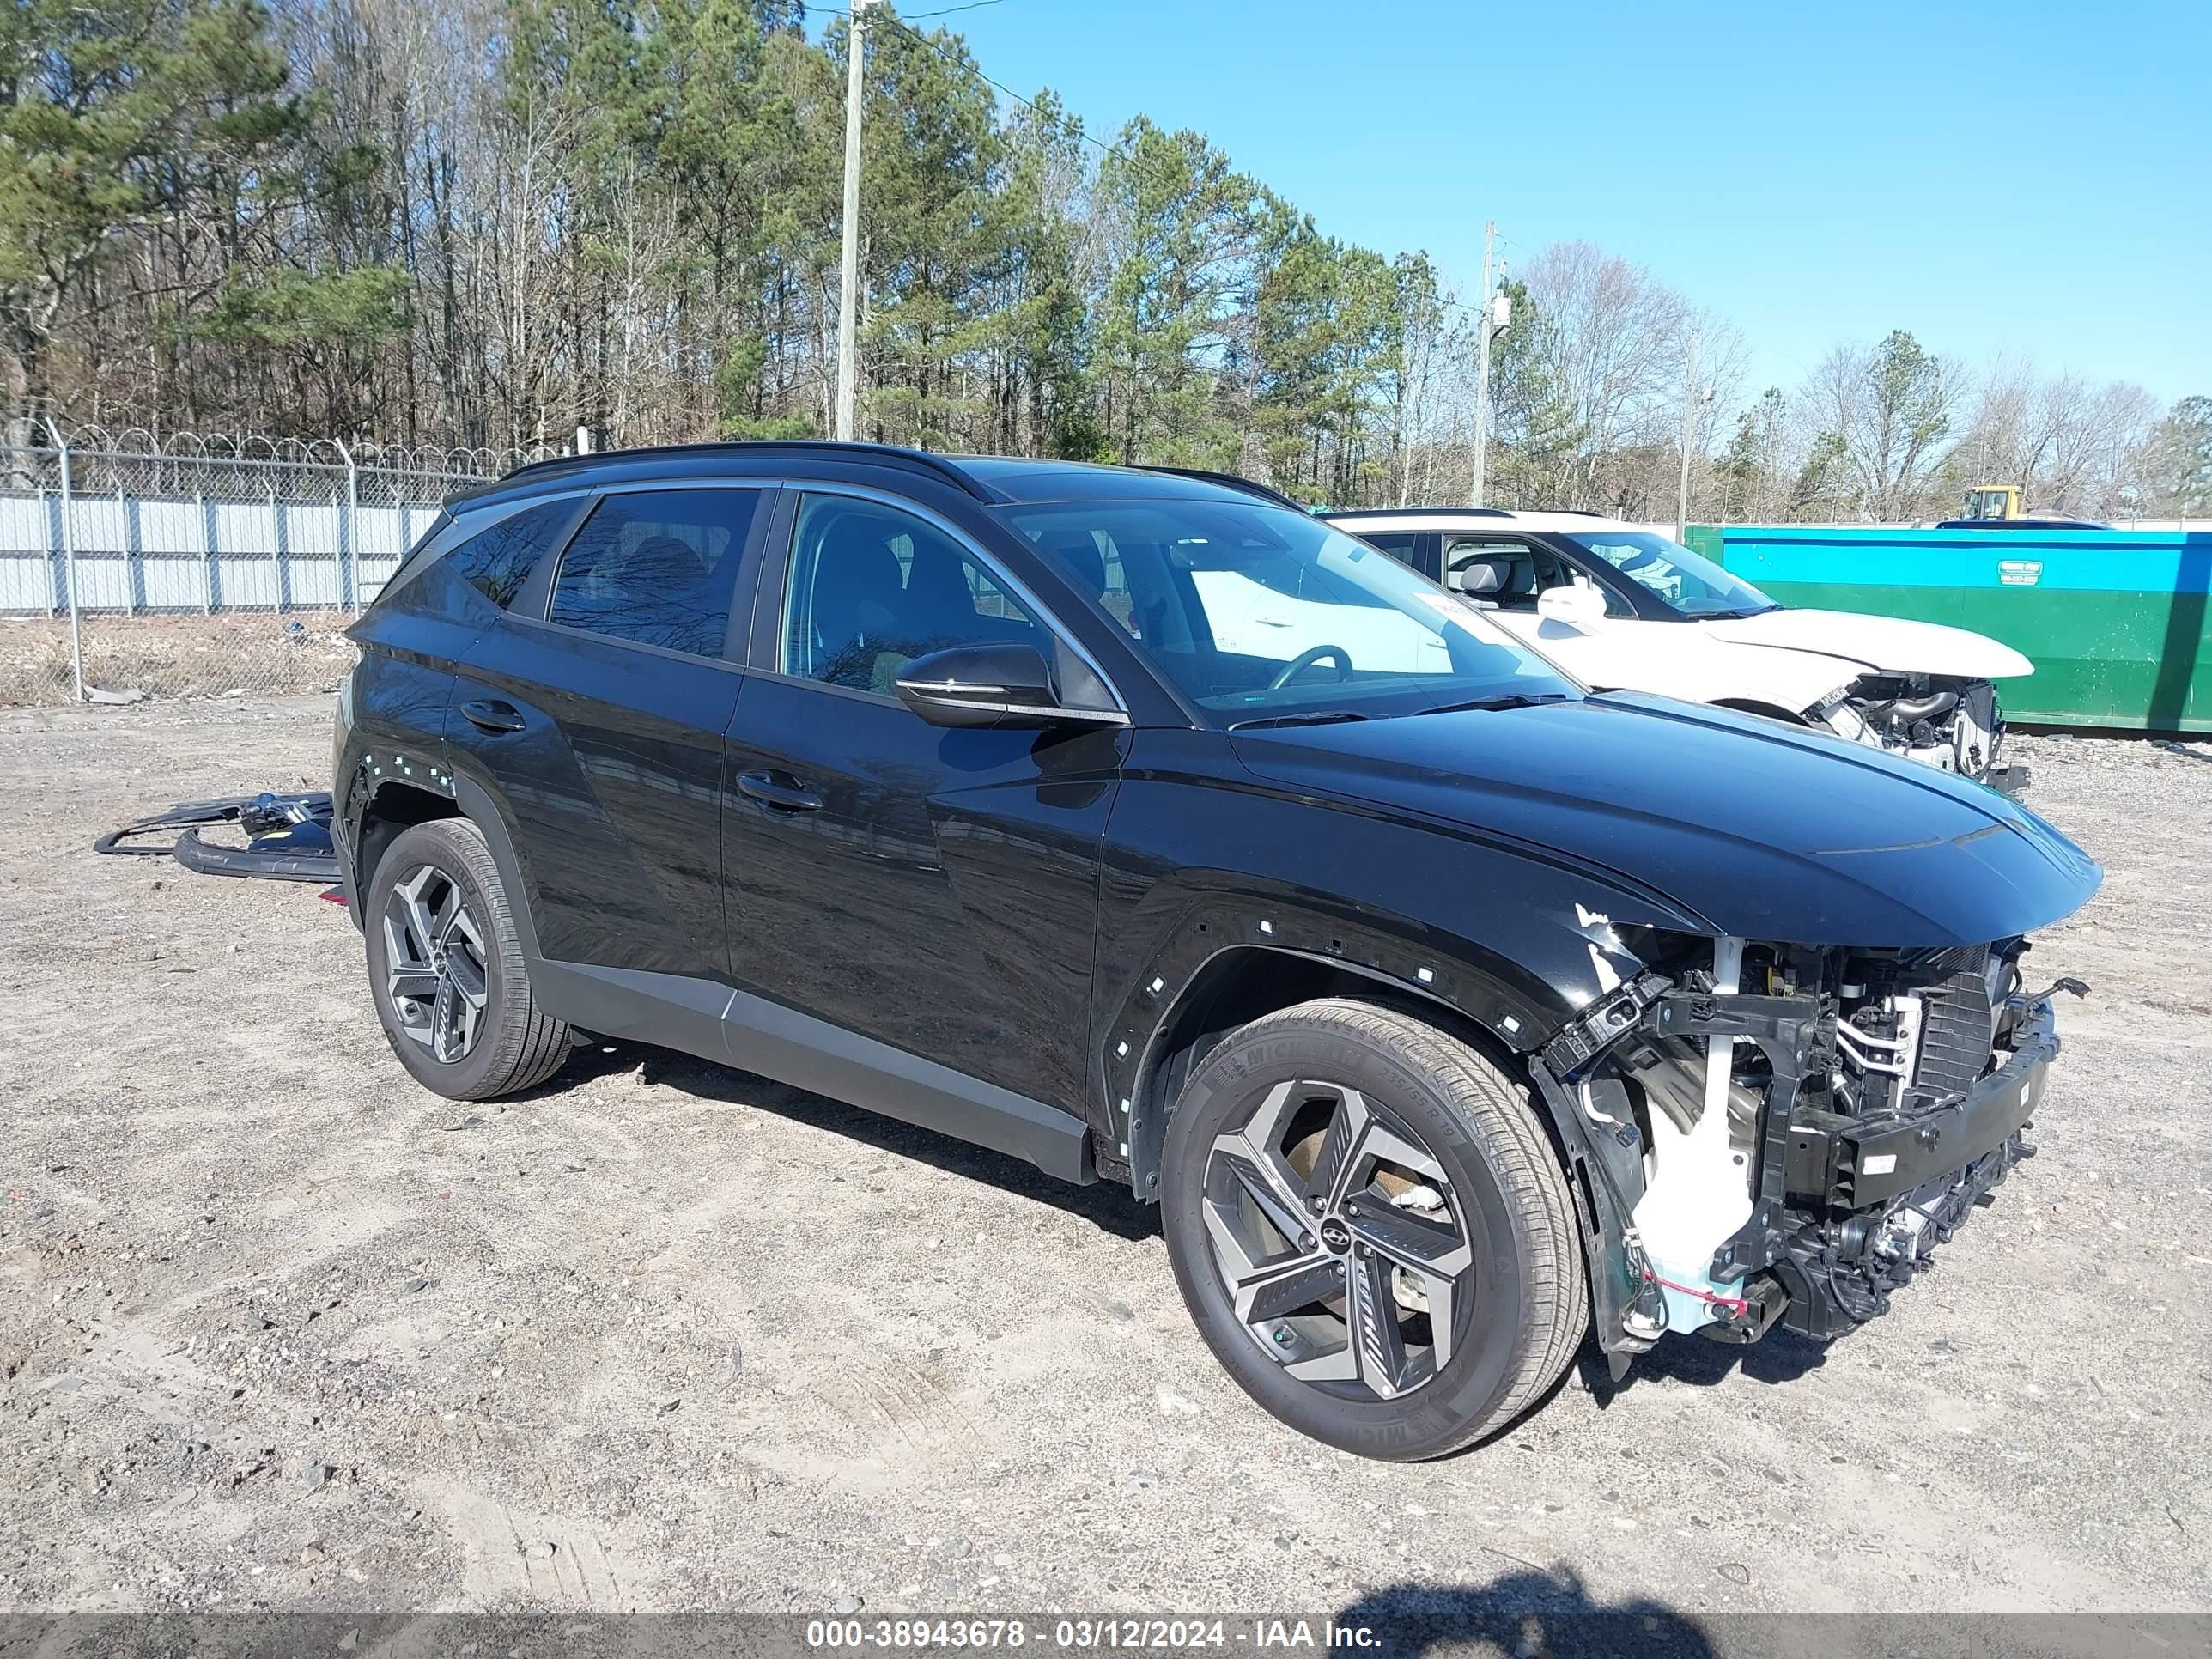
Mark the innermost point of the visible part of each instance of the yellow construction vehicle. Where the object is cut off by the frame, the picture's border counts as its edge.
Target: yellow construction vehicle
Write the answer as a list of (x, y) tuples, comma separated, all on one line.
[(1997, 507), (1993, 501)]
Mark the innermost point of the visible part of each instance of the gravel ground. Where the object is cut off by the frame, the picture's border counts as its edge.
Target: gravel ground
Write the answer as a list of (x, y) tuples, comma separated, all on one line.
[(279, 1329)]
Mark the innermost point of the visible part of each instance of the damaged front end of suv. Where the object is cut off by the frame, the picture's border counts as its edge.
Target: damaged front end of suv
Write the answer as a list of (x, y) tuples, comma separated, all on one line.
[(1949, 723), (1791, 1049), (1784, 1133)]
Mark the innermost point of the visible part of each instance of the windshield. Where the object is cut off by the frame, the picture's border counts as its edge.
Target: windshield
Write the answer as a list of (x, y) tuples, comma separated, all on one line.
[(1259, 614), (1686, 583)]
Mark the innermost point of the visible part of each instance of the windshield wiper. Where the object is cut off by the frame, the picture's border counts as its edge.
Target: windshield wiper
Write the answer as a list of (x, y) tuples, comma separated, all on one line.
[(1311, 717), (1503, 699), (1736, 615)]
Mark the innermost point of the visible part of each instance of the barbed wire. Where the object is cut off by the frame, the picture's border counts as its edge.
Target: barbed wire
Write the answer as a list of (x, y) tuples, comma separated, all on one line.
[(265, 449)]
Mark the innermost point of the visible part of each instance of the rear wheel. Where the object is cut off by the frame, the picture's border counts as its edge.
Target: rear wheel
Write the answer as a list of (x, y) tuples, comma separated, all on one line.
[(1372, 1229), (450, 987)]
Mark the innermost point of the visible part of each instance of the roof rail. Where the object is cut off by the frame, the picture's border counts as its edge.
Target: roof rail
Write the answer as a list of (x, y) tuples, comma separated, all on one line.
[(1421, 512), (919, 460), (1230, 481)]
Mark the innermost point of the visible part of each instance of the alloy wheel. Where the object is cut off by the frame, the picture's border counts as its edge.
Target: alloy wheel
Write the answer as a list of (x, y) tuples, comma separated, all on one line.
[(435, 963), (1339, 1241)]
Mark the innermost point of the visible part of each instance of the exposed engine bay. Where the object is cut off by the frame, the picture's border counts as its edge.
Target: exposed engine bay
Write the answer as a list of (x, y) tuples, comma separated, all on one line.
[(1950, 724), (1790, 1132)]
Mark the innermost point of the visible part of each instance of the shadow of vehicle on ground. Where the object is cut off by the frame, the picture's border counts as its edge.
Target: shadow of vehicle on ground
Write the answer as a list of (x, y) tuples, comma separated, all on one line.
[(1107, 1203), (1779, 1357), (1531, 1614)]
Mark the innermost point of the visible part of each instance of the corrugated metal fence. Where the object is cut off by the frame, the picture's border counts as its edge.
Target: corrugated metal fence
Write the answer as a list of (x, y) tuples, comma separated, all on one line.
[(197, 568)]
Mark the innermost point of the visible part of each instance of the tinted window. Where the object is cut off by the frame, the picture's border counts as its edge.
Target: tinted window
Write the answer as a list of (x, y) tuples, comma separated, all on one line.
[(658, 567), (1403, 545), (497, 561), (1257, 612), (873, 588)]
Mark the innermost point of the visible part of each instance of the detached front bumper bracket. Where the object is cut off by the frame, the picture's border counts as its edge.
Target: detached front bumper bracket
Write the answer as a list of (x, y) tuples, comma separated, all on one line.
[(1586, 1038)]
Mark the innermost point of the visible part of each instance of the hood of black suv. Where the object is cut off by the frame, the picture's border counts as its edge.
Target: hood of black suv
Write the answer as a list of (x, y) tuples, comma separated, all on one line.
[(1762, 832)]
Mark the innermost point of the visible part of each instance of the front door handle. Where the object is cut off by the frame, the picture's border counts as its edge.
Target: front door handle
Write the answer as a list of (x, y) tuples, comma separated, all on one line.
[(492, 715), (778, 792)]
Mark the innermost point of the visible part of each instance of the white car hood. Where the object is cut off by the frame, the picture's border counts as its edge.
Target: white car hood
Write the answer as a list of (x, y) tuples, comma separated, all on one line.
[(1891, 644)]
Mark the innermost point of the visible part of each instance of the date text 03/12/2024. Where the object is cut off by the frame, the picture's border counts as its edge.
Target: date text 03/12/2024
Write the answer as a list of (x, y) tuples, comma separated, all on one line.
[(1082, 1634)]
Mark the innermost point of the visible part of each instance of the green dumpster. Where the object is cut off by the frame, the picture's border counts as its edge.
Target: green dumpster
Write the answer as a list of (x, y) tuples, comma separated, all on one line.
[(2113, 620)]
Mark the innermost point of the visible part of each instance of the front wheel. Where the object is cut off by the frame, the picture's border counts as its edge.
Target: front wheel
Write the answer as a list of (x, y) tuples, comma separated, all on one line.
[(446, 971), (1372, 1229)]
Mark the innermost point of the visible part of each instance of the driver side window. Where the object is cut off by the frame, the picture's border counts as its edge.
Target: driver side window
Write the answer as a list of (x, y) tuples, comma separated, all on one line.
[(871, 588)]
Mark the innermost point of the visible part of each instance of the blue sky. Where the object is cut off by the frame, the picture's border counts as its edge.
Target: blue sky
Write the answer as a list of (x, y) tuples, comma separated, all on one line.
[(2018, 177)]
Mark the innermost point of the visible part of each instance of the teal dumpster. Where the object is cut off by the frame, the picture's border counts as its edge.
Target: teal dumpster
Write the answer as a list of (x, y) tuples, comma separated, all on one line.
[(2113, 620)]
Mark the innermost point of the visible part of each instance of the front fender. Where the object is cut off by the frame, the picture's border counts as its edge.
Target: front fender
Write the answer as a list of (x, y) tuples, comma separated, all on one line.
[(1519, 1004), (1511, 938)]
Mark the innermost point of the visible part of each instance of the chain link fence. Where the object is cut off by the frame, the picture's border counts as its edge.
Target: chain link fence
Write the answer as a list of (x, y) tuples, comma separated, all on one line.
[(132, 566)]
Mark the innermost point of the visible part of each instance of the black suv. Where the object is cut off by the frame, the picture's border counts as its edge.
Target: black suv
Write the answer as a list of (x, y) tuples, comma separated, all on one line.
[(1142, 826)]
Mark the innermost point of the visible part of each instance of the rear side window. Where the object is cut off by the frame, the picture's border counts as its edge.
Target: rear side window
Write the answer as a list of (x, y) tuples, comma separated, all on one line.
[(497, 561), (658, 567), (1403, 545)]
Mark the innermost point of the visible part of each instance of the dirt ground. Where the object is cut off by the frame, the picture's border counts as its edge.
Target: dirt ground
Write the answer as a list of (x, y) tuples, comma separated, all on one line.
[(280, 1329), (231, 654)]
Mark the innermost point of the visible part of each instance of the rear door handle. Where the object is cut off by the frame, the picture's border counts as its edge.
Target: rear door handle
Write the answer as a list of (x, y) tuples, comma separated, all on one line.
[(492, 715), (778, 792)]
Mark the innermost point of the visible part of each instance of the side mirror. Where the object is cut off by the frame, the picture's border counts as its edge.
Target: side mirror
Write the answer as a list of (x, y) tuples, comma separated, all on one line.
[(1575, 605), (986, 685)]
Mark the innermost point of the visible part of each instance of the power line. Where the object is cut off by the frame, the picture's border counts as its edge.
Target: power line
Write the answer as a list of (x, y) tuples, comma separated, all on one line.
[(846, 11), (899, 23), (881, 12), (884, 15), (972, 5), (1072, 124)]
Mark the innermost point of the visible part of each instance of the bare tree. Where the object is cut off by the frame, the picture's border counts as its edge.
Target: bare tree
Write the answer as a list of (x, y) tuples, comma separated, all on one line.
[(1891, 407), (1610, 340), (2073, 448)]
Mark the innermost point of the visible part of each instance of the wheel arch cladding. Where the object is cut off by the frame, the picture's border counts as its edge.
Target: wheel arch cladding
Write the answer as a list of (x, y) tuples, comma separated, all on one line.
[(1230, 962), (384, 807), (482, 808)]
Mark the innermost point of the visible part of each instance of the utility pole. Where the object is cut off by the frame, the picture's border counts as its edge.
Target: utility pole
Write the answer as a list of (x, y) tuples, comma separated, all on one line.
[(1694, 399), (848, 280), (1482, 368)]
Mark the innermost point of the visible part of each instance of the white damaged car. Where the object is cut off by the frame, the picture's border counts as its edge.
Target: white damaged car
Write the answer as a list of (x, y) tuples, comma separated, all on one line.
[(1621, 608)]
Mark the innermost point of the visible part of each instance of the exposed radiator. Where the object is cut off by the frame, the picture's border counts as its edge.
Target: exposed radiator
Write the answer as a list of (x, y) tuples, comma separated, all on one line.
[(1956, 1026)]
